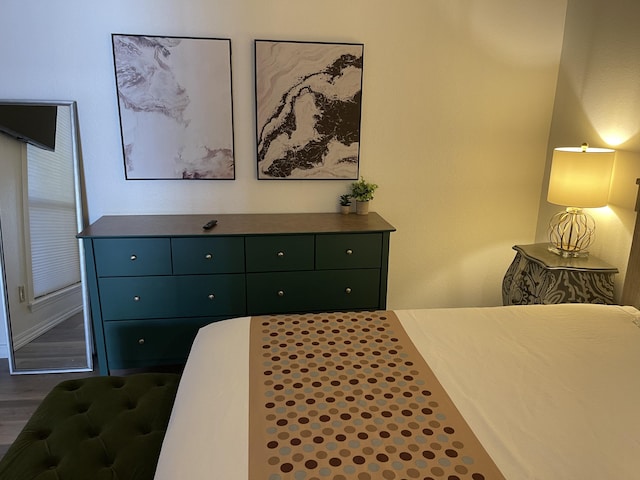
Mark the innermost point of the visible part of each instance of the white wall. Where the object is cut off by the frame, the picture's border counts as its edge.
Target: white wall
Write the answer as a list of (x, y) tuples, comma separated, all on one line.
[(457, 102), (598, 100)]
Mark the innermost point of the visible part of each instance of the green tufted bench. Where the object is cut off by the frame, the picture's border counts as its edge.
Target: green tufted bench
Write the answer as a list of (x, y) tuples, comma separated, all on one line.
[(95, 428)]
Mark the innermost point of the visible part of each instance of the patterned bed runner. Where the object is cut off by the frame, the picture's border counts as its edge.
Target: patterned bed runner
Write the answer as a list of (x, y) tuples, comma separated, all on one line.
[(347, 396)]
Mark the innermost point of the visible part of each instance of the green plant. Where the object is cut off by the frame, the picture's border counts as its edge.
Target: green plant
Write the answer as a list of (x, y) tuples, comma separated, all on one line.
[(363, 191), (345, 200)]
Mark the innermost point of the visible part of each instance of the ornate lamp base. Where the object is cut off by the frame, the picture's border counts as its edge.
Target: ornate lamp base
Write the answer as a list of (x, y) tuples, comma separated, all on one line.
[(571, 232)]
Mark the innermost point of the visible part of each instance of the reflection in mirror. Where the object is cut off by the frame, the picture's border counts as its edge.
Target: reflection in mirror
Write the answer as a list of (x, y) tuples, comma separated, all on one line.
[(44, 301)]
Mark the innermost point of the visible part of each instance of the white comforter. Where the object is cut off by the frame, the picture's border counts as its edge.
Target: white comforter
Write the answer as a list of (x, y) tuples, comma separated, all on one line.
[(551, 391)]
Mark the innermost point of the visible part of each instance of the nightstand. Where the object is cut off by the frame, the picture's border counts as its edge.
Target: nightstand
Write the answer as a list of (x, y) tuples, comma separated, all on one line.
[(538, 276)]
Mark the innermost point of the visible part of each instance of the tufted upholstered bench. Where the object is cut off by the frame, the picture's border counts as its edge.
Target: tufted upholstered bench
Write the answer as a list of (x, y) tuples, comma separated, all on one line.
[(95, 428)]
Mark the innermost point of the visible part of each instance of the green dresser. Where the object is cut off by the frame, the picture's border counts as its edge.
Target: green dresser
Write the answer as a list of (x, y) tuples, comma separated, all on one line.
[(154, 280)]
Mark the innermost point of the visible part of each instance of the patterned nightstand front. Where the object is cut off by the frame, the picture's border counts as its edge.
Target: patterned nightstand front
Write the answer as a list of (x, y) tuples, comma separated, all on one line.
[(537, 276)]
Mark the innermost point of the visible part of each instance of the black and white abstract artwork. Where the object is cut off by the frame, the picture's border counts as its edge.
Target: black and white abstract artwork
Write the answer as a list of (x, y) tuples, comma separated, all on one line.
[(308, 107), (175, 103)]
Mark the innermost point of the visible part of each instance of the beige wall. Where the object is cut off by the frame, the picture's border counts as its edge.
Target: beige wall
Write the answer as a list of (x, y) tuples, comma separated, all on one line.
[(457, 102), (598, 101)]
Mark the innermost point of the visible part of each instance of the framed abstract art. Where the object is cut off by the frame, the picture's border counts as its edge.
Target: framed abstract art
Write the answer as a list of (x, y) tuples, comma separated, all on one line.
[(308, 108), (176, 108)]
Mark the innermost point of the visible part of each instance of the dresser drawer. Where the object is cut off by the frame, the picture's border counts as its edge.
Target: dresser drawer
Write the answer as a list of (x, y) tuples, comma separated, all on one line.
[(280, 292), (116, 257), (207, 255), (286, 292), (137, 297), (208, 295), (348, 251), (348, 289), (141, 343), (277, 253)]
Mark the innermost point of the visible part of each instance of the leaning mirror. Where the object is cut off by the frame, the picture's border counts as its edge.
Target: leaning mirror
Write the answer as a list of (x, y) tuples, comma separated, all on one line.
[(44, 301)]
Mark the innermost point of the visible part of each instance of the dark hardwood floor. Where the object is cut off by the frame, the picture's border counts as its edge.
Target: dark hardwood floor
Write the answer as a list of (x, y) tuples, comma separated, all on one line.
[(19, 397)]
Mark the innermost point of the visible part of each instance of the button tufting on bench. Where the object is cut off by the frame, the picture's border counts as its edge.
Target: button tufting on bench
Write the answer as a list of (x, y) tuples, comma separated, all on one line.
[(145, 430), (120, 438), (72, 385)]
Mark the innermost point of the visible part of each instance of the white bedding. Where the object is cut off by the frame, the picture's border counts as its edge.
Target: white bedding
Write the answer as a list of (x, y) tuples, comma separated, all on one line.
[(551, 391)]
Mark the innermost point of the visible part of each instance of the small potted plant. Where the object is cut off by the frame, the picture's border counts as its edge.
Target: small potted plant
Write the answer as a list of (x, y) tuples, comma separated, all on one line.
[(362, 191), (345, 203)]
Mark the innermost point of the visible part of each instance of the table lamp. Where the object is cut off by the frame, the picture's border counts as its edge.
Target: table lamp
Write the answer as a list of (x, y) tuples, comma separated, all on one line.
[(580, 178)]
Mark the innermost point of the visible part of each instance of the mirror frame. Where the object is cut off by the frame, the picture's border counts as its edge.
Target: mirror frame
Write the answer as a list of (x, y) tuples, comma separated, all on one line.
[(80, 224)]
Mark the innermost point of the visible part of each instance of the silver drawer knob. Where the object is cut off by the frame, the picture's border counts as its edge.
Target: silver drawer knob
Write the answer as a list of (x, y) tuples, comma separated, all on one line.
[(211, 296), (136, 298), (208, 256), (141, 341), (281, 293), (134, 258), (349, 251), (280, 254), (347, 290)]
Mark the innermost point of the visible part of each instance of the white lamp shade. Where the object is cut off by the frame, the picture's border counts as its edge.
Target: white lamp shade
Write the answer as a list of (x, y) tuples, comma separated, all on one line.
[(580, 178)]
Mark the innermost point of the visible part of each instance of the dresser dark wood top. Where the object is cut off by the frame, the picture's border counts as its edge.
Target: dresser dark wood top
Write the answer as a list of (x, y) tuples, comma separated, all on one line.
[(234, 224)]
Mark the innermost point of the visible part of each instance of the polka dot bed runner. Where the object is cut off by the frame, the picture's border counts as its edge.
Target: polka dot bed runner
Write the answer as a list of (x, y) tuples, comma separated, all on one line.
[(347, 396)]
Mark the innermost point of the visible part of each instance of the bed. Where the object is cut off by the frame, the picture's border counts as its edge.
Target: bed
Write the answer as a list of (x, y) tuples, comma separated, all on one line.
[(542, 391), (517, 392)]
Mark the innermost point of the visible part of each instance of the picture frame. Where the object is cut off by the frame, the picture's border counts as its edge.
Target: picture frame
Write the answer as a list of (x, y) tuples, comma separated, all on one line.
[(175, 104), (308, 109)]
